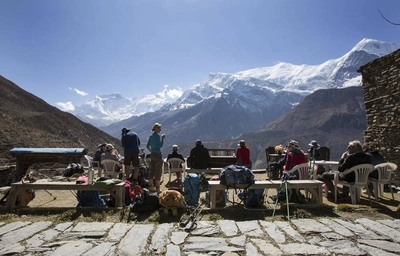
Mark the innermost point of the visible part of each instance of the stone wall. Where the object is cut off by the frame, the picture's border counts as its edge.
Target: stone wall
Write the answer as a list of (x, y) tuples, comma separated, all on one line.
[(381, 86)]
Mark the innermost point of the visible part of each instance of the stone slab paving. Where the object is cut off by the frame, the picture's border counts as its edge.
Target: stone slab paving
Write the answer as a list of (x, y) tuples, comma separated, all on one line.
[(224, 237)]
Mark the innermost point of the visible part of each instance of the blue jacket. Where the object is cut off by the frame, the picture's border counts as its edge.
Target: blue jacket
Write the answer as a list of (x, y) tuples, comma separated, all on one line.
[(130, 142)]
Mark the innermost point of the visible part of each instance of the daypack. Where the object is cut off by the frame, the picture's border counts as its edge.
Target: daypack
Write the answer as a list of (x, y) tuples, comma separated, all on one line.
[(171, 198), (234, 174), (252, 197), (294, 196), (88, 198), (73, 168), (191, 188), (220, 195), (143, 176), (146, 202)]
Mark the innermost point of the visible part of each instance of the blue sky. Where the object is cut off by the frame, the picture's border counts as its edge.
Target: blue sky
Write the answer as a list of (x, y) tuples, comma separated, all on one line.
[(69, 51)]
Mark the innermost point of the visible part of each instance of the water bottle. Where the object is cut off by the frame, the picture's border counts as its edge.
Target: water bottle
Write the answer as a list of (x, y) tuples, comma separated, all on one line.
[(90, 175)]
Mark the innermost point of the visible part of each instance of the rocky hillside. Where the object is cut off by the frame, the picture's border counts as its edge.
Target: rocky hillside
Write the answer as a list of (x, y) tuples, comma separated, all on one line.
[(28, 121)]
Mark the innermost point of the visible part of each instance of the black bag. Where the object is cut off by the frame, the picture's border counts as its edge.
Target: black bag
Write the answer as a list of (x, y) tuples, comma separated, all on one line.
[(294, 196), (252, 197), (275, 170), (143, 176), (151, 202), (73, 168)]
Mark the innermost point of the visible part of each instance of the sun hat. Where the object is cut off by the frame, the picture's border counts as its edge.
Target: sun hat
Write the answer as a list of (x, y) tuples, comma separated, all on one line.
[(241, 142), (109, 147), (294, 144), (174, 146), (314, 144), (198, 142)]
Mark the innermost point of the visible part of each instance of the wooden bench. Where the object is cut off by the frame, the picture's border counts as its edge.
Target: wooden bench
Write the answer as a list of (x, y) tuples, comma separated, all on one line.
[(313, 186), (18, 191)]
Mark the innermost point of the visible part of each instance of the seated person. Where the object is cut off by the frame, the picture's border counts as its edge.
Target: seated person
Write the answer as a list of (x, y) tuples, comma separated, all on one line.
[(312, 151), (243, 155), (294, 156), (376, 159), (199, 156), (352, 157), (109, 154), (175, 154), (101, 148)]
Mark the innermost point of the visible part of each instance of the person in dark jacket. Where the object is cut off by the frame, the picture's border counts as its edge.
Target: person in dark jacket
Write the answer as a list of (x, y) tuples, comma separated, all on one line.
[(376, 159), (352, 157), (101, 148), (199, 156), (130, 142), (175, 154)]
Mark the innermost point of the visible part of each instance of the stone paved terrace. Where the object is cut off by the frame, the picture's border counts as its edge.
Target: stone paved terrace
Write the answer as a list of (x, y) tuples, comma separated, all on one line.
[(321, 236)]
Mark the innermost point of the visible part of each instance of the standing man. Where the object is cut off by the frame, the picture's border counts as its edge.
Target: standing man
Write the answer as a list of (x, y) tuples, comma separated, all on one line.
[(243, 155), (131, 142)]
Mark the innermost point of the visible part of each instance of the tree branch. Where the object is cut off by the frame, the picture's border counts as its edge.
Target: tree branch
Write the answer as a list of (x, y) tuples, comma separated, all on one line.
[(388, 20)]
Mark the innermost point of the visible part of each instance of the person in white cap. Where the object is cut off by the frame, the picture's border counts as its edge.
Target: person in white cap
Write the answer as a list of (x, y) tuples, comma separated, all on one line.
[(109, 154), (175, 154)]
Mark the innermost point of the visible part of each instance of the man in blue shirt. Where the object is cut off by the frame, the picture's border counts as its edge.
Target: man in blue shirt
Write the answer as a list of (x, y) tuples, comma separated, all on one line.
[(130, 142)]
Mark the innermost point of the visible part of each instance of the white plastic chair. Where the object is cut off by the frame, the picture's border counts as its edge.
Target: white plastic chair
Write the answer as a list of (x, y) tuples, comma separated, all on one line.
[(109, 167), (303, 173), (176, 165), (361, 172), (385, 171), (91, 162)]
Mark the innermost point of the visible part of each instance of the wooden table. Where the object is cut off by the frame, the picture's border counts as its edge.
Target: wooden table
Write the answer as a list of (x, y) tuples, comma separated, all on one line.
[(313, 186), (18, 190), (28, 156)]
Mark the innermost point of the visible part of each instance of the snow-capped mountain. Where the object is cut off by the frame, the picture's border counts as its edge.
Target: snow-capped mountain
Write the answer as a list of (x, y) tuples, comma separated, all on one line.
[(256, 96), (107, 109)]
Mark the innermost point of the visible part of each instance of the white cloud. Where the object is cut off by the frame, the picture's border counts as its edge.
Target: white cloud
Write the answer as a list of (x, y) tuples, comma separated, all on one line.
[(173, 93), (82, 93), (66, 106)]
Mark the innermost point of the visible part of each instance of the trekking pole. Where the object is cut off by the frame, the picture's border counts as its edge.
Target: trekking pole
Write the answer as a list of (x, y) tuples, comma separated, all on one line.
[(54, 197), (193, 217), (287, 199), (276, 201)]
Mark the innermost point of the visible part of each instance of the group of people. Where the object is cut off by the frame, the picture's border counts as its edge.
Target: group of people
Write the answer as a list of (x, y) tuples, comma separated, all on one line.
[(355, 154)]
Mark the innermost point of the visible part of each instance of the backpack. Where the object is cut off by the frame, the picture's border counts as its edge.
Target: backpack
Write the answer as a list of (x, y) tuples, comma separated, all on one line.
[(220, 195), (88, 198), (294, 196), (252, 197), (191, 188), (234, 174), (73, 168), (171, 198), (143, 176), (145, 202), (128, 191)]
